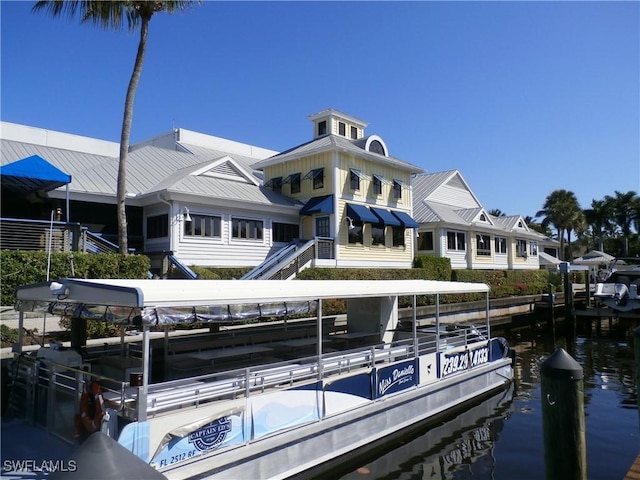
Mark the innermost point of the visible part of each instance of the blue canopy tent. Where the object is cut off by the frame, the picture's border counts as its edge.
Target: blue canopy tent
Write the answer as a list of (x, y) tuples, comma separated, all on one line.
[(33, 174)]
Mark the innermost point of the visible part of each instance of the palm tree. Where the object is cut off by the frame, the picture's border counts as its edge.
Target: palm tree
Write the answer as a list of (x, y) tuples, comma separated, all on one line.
[(562, 210), (598, 219), (114, 15), (625, 212), (496, 212)]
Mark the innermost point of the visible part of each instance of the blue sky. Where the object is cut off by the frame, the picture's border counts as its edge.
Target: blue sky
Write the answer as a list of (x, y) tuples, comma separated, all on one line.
[(522, 97)]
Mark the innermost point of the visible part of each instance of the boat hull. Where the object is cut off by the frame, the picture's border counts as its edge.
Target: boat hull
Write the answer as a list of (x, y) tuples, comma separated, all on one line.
[(321, 445)]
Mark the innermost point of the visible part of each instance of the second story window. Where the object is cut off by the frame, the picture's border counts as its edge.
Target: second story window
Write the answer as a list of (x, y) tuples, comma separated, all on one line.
[(377, 185), (354, 133), (294, 181), (354, 176), (397, 189), (342, 129), (317, 175), (275, 184)]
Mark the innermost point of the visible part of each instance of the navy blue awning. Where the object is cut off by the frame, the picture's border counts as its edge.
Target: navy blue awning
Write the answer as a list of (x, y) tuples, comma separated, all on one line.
[(360, 213), (32, 173), (406, 220), (386, 217), (322, 204)]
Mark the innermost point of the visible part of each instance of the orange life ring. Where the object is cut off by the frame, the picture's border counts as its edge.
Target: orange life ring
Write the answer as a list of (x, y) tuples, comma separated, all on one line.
[(92, 408)]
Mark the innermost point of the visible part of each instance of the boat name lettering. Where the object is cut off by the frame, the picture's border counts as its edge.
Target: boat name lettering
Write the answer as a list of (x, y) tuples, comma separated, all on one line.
[(398, 377), (211, 435)]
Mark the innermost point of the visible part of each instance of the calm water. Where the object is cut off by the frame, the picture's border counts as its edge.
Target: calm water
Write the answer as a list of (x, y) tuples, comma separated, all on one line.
[(501, 438)]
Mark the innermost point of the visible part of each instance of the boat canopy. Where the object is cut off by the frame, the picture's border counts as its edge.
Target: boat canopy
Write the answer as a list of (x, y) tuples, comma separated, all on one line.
[(157, 302)]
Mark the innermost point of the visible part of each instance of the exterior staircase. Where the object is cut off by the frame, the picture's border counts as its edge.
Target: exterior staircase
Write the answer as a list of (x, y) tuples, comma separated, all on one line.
[(291, 259)]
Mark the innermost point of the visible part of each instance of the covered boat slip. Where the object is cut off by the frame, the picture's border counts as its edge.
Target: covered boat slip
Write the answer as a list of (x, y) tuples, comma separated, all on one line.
[(272, 363)]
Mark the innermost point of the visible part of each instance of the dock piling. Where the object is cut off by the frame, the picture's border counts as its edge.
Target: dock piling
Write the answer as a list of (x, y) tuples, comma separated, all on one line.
[(562, 397)]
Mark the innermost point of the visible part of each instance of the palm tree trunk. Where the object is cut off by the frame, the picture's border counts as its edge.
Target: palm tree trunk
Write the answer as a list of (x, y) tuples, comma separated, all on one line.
[(125, 136)]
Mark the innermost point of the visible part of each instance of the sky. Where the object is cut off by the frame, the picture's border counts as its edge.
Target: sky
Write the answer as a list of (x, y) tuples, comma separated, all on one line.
[(523, 98)]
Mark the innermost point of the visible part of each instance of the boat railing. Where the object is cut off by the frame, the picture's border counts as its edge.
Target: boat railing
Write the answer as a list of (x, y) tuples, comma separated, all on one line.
[(244, 382)]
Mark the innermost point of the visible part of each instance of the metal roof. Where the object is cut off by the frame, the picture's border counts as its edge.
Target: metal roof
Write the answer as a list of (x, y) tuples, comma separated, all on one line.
[(335, 142)]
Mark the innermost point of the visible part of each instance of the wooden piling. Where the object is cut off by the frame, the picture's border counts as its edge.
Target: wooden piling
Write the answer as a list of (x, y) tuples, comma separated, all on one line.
[(562, 393)]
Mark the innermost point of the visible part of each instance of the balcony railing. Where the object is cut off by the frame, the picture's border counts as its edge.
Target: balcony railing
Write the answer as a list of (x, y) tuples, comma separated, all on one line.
[(24, 234)]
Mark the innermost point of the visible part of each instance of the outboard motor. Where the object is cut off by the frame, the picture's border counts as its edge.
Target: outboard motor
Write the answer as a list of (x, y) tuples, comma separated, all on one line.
[(621, 294)]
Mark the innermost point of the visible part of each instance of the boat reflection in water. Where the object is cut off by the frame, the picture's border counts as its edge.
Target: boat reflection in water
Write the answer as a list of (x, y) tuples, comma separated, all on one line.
[(444, 449)]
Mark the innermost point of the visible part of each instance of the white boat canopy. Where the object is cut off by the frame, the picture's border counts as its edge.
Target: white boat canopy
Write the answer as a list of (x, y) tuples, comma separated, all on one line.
[(160, 302)]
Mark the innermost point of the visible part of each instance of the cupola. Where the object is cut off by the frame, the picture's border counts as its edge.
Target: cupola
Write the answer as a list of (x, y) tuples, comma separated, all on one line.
[(333, 122)]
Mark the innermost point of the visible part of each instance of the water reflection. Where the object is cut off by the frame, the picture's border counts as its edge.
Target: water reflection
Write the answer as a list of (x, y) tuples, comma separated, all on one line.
[(452, 445), (501, 437)]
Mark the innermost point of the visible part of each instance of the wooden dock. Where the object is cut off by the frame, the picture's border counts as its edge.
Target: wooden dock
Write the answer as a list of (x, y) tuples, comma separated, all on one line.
[(634, 471)]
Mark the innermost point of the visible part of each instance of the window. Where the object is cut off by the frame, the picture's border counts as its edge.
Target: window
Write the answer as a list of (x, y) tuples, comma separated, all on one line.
[(533, 248), (276, 184), (158, 226), (246, 229), (354, 133), (355, 179), (425, 241), (483, 245), (500, 245), (376, 147), (318, 178), (377, 185), (322, 227), (285, 232), (356, 233), (203, 226), (397, 189), (322, 128), (521, 248), (456, 241), (398, 236), (317, 175), (342, 129), (294, 180), (377, 234)]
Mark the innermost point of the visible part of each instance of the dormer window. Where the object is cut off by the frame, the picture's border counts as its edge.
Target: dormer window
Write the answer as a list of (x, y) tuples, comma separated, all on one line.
[(322, 128), (354, 133), (342, 129), (376, 147)]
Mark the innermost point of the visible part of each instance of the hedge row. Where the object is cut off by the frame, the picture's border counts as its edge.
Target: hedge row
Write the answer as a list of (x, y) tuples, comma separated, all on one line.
[(25, 267)]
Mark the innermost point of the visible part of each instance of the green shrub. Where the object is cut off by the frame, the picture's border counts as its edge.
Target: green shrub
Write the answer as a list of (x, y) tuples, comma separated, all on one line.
[(21, 267), (8, 336)]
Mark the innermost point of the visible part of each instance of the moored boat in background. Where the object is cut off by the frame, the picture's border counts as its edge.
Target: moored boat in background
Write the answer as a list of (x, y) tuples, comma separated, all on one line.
[(619, 290)]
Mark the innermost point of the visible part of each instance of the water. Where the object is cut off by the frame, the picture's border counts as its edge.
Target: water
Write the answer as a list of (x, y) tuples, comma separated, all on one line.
[(501, 438)]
